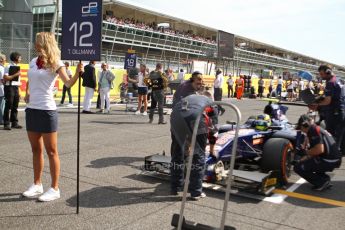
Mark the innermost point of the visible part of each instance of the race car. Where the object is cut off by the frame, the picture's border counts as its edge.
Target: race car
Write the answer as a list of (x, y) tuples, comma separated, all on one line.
[(265, 153)]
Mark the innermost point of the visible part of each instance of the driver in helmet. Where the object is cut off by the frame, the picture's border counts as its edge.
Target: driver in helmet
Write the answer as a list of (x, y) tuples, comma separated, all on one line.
[(262, 122)]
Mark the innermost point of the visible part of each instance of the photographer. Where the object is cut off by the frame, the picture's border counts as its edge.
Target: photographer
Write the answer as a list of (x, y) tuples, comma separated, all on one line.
[(319, 154)]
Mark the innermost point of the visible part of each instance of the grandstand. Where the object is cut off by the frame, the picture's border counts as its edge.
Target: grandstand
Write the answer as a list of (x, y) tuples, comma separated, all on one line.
[(177, 43)]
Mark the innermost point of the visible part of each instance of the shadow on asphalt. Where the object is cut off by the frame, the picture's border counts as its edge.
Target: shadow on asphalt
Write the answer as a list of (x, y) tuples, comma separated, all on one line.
[(335, 193), (111, 196), (120, 122), (113, 161), (14, 197)]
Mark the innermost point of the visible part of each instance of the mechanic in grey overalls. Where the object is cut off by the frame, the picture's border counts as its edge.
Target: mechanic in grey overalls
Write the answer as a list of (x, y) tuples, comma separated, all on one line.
[(182, 122)]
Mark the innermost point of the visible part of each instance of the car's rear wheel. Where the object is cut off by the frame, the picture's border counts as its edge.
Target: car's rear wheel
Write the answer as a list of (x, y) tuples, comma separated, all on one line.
[(277, 156)]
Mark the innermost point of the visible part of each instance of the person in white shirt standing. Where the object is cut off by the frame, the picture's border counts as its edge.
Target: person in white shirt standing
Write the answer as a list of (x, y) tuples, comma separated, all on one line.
[(65, 89), (104, 85), (181, 75), (41, 114), (218, 90), (12, 83), (142, 91), (230, 83), (2, 93)]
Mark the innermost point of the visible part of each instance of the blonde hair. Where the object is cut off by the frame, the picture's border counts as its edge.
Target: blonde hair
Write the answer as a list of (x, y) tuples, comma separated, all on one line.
[(49, 50), (2, 57)]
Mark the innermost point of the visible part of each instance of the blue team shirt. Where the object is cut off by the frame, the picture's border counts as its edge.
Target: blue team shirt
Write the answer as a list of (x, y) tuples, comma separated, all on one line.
[(333, 90)]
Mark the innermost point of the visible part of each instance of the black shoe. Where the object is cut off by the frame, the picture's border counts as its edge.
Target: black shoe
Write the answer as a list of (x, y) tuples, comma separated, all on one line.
[(162, 122), (16, 126), (87, 112), (327, 184), (151, 120), (7, 127)]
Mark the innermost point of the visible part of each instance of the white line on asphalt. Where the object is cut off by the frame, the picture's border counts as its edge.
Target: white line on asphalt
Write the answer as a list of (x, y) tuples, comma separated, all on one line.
[(279, 198)]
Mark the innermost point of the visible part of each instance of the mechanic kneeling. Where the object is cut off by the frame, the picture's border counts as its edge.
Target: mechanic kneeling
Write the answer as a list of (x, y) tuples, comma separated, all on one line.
[(320, 154), (182, 122)]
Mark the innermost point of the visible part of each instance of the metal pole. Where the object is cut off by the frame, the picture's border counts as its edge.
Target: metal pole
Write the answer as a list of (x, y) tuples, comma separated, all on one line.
[(78, 138), (232, 163)]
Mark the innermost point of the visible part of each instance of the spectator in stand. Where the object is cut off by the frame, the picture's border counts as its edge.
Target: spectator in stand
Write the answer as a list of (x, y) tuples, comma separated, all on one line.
[(230, 83), (12, 83), (89, 83), (2, 93), (181, 75), (65, 89)]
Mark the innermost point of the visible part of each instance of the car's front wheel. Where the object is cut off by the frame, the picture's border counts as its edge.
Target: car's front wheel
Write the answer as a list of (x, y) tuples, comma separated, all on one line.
[(277, 156)]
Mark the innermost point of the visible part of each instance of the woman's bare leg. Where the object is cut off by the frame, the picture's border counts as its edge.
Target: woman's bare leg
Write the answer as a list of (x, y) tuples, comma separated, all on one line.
[(50, 144)]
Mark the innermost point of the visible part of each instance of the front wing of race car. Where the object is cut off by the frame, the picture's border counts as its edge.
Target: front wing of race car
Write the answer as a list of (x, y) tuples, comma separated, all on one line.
[(245, 182)]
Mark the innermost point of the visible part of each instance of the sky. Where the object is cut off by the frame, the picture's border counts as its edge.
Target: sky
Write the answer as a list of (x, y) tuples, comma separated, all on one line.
[(312, 27)]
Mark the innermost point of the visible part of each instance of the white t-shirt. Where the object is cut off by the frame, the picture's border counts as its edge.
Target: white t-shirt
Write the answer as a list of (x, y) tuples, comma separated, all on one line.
[(290, 85), (41, 86), (69, 73), (141, 80), (2, 72), (180, 76), (295, 84), (7, 69), (219, 81), (280, 81), (301, 85), (271, 82), (230, 82)]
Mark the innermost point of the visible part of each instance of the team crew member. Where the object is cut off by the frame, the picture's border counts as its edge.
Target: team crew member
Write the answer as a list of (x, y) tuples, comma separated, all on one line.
[(230, 83), (41, 113), (192, 86), (182, 122), (12, 83), (142, 91), (320, 157), (104, 85), (89, 82), (218, 90), (2, 93), (239, 87), (65, 89), (158, 82), (261, 88), (333, 105)]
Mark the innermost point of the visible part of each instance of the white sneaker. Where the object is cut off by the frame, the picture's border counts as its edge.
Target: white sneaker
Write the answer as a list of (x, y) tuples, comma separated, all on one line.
[(70, 105), (50, 195), (34, 190), (145, 113), (137, 112), (202, 195)]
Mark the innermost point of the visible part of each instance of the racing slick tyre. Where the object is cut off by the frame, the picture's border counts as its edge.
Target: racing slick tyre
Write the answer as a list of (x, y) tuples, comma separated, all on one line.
[(277, 156)]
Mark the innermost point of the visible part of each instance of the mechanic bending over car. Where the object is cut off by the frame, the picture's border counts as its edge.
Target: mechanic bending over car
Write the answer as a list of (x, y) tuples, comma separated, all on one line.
[(182, 121), (319, 154)]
